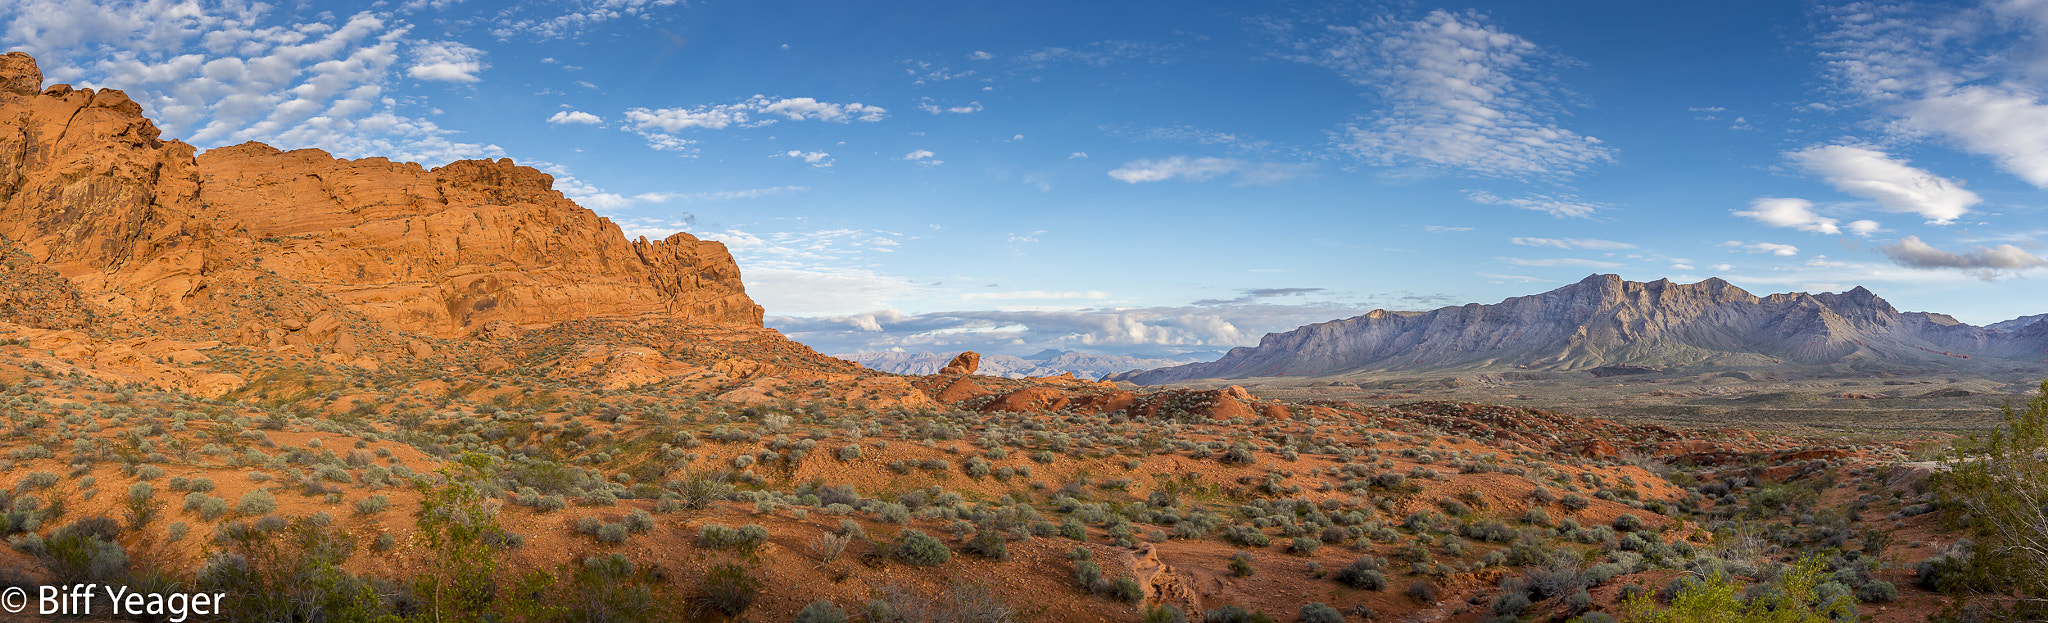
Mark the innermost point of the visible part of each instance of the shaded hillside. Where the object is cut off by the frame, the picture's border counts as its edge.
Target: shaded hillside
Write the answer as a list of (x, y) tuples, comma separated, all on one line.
[(1607, 321)]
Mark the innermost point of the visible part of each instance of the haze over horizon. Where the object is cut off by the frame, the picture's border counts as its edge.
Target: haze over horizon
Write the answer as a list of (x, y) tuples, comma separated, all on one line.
[(1168, 179)]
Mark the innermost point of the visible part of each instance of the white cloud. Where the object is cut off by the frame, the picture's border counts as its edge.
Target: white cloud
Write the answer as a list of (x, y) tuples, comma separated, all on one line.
[(1893, 184), (1986, 263), (1793, 213), (1558, 206), (923, 156), (1783, 250), (1459, 92), (568, 18), (1204, 169), (1958, 74), (1563, 261), (575, 116), (934, 108), (225, 73), (1440, 229), (1573, 243), (446, 61), (1079, 155), (660, 125), (980, 55), (814, 158)]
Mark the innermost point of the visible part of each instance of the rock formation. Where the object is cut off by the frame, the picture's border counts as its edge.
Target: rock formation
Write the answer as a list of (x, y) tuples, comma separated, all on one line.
[(141, 225), (1604, 322), (965, 363)]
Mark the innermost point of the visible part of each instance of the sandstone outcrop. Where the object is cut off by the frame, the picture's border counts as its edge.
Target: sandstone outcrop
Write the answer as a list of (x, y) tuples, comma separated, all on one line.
[(140, 224), (965, 363)]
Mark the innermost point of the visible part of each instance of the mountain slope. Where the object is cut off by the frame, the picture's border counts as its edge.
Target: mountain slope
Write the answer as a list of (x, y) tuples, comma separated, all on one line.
[(1605, 320)]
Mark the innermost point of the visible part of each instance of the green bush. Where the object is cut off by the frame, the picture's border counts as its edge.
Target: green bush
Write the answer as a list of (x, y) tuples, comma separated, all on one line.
[(915, 547), (1126, 589), (728, 590), (1365, 572), (1318, 612), (990, 545), (256, 502), (821, 611)]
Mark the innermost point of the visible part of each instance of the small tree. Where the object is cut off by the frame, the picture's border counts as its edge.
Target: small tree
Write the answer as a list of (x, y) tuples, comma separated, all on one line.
[(1997, 487)]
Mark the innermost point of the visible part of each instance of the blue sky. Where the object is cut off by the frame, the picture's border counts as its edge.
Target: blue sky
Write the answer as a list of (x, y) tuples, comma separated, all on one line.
[(1168, 178)]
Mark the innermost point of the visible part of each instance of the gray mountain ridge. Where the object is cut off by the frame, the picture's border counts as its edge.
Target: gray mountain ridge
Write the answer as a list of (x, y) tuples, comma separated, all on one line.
[(1604, 321)]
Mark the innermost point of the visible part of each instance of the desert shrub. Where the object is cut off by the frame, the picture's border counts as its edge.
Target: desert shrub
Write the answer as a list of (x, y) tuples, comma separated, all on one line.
[(1164, 613), (1126, 589), (1574, 502), (990, 545), (1794, 597), (728, 590), (1365, 572), (964, 603), (639, 522), (820, 611), (1234, 614), (1247, 536), (256, 502), (612, 533), (287, 571), (892, 512), (206, 506), (915, 547), (1087, 574), (1241, 565), (1317, 612), (722, 536), (1628, 522), (1304, 546), (1423, 591), (372, 505), (828, 546)]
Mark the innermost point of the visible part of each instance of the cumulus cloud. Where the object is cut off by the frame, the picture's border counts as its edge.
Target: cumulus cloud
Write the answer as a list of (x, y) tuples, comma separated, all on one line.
[(1783, 250), (1957, 74), (1205, 169), (575, 116), (1558, 206), (446, 61), (221, 73), (924, 157), (930, 106), (1987, 263), (1893, 184), (1444, 229), (814, 158), (1791, 213), (660, 125), (568, 18), (1573, 243), (1459, 93)]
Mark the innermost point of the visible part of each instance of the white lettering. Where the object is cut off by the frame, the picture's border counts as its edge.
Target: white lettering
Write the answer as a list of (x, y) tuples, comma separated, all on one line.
[(46, 600)]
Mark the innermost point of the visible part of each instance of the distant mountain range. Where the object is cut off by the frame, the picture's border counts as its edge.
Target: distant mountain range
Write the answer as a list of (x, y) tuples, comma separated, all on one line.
[(1048, 362), (1605, 321)]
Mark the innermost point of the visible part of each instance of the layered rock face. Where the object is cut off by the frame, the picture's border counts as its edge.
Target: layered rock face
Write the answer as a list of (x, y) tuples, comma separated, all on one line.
[(141, 225), (1607, 321)]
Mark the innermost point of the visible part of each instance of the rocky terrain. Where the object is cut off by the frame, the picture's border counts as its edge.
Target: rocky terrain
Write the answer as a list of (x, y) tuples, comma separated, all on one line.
[(369, 391), (1044, 363), (1607, 324)]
